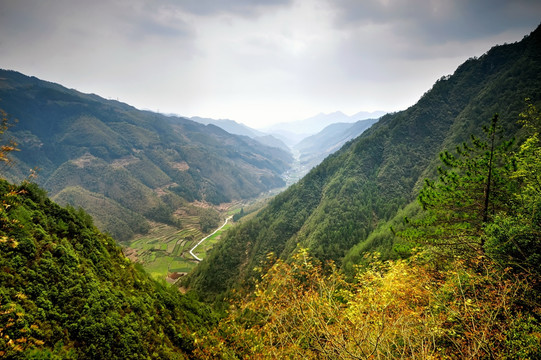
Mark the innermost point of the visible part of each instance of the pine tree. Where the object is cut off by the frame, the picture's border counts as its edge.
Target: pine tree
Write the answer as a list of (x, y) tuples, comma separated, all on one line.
[(514, 236), (473, 186)]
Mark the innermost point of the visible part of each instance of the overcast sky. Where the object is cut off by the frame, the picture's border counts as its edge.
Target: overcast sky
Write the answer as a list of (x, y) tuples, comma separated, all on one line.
[(255, 61)]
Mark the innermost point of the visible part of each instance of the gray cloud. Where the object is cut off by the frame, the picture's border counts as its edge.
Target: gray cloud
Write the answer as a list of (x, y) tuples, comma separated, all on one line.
[(385, 39), (255, 61), (154, 19), (49, 18), (239, 7), (440, 20)]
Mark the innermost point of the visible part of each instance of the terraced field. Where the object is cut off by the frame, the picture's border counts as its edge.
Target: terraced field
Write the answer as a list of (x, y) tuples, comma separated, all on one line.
[(165, 248)]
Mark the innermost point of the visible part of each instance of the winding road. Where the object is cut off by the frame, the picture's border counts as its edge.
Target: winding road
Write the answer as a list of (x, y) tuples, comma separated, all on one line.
[(206, 237)]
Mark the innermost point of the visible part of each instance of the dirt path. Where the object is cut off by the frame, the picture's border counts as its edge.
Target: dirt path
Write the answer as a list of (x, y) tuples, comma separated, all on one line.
[(206, 237)]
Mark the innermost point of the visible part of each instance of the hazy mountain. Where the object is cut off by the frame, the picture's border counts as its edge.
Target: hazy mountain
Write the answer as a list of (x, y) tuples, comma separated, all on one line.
[(317, 123), (365, 115), (313, 149), (230, 126), (272, 141), (288, 137), (335, 209), (89, 148), (234, 127)]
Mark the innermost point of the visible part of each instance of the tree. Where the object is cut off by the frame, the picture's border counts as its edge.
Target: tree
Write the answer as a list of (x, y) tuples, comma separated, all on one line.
[(239, 215), (404, 309), (473, 187), (514, 236)]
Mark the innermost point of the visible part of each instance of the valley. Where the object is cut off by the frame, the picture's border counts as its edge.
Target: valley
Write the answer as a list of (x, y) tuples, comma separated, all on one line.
[(209, 239), (415, 235), (166, 250), (352, 202), (156, 183)]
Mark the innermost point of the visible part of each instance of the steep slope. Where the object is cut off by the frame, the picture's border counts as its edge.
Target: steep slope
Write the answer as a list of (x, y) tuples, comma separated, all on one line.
[(67, 292), (315, 148), (140, 161), (341, 201)]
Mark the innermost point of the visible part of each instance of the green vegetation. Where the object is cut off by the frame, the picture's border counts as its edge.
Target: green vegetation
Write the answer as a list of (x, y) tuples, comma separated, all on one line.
[(122, 227), (486, 201), (66, 290), (9, 147), (164, 250), (129, 166), (204, 248), (480, 300)]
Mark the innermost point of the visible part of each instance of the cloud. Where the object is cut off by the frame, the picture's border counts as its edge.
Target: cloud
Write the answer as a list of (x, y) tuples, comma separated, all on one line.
[(238, 7), (156, 21), (255, 61), (437, 21), (387, 41), (58, 19)]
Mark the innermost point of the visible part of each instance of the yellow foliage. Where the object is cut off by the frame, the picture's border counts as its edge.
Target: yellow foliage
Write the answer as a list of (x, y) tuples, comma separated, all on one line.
[(12, 146), (392, 310), (14, 333)]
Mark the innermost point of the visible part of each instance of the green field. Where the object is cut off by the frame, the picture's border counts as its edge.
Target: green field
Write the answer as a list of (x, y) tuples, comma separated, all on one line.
[(165, 249), (206, 245)]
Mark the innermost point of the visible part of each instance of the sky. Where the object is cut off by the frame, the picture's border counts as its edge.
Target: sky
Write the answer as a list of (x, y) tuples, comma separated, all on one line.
[(258, 62)]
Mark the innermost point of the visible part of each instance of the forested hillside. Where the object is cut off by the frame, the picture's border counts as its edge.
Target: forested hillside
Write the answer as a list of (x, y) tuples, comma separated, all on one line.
[(132, 165), (67, 292), (338, 206), (468, 290)]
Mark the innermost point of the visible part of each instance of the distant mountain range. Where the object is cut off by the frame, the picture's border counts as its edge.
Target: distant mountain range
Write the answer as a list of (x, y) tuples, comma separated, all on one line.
[(338, 128), (293, 132), (230, 126), (236, 128), (313, 149), (124, 165)]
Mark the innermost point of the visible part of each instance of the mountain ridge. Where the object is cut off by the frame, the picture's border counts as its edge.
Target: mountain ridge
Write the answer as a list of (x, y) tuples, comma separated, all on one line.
[(233, 127), (337, 206), (317, 123), (315, 148), (112, 149)]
